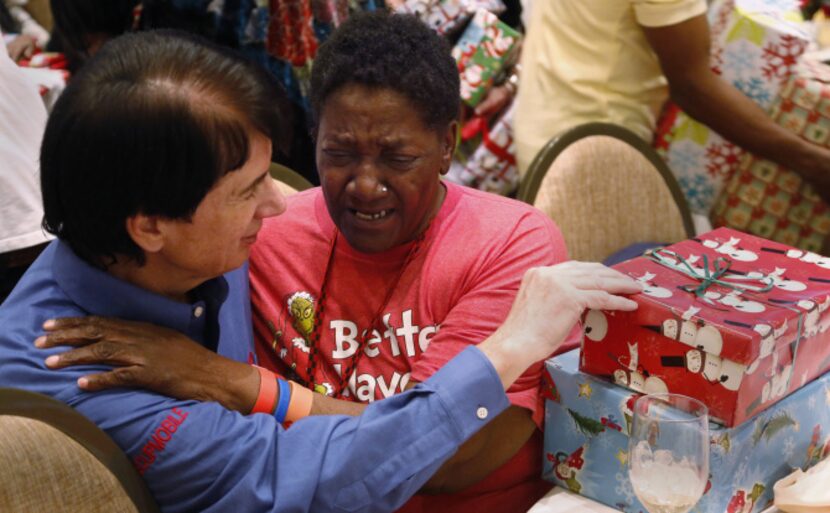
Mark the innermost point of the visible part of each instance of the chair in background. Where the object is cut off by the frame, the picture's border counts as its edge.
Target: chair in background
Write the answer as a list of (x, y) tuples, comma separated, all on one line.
[(288, 180), (606, 189), (53, 459)]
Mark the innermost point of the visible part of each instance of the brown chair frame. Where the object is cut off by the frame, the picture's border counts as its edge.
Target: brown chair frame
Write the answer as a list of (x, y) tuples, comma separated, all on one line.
[(22, 403), (529, 187), (289, 177)]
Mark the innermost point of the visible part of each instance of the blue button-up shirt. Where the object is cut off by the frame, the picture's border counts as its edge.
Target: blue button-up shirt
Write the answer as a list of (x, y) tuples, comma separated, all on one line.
[(201, 457)]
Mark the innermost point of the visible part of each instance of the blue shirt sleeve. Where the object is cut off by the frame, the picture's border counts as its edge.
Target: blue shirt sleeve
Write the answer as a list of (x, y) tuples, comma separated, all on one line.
[(202, 457)]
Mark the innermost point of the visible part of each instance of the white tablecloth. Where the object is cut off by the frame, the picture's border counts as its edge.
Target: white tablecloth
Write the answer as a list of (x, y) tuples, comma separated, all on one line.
[(562, 501)]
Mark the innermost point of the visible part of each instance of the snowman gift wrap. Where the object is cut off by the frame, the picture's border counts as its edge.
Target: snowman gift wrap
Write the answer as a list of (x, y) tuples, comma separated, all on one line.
[(733, 320)]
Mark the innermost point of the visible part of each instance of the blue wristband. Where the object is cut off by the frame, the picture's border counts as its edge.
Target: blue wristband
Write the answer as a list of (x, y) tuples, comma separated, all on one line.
[(283, 401)]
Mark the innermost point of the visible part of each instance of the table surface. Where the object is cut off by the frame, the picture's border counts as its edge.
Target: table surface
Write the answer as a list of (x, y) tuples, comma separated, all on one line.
[(563, 501)]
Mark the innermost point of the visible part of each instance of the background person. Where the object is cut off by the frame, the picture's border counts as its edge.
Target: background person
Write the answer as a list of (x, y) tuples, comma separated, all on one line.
[(22, 119), (618, 62)]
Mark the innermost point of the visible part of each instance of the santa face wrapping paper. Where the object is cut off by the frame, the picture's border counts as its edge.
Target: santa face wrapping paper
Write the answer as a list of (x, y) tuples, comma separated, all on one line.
[(482, 52), (755, 47), (771, 201), (733, 320), (587, 422)]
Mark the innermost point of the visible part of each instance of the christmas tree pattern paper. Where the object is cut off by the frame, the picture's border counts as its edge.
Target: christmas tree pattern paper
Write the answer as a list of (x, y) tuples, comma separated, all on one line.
[(586, 442)]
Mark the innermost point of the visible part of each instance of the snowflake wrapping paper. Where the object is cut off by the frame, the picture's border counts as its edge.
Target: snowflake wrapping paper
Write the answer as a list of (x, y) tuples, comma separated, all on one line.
[(755, 46), (587, 421), (770, 201), (733, 320), (491, 166)]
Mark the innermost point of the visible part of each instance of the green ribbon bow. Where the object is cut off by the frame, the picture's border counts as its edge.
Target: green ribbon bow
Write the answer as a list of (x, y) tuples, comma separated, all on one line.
[(709, 276), (713, 276)]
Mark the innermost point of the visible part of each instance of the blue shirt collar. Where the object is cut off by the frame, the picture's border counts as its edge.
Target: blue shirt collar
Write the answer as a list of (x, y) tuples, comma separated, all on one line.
[(102, 294)]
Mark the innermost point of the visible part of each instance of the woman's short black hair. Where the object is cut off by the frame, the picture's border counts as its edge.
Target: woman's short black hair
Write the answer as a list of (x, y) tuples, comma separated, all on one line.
[(149, 126), (391, 51)]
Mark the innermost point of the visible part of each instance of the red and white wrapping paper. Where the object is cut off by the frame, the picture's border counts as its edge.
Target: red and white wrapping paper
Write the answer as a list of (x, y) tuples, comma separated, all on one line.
[(739, 350)]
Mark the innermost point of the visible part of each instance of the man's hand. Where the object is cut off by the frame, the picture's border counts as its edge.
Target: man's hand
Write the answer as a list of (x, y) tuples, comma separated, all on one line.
[(22, 47), (549, 303), (150, 357)]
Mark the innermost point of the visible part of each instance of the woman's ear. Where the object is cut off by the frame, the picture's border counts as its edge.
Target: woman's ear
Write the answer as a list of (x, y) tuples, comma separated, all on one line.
[(450, 141), (145, 232)]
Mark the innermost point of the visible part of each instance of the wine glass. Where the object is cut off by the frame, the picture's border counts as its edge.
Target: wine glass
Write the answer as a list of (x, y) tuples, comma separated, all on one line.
[(669, 452)]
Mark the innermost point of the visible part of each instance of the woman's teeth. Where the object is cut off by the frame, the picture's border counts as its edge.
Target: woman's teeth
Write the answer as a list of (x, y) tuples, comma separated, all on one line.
[(370, 217)]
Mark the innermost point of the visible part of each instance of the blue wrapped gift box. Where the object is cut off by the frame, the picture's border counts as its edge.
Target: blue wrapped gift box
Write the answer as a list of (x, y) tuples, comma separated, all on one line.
[(587, 420)]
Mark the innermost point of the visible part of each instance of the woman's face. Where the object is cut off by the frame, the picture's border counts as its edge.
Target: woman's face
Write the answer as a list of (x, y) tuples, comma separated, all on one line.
[(380, 166)]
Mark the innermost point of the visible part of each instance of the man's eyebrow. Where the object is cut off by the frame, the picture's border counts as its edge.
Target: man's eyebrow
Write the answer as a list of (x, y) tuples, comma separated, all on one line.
[(253, 184)]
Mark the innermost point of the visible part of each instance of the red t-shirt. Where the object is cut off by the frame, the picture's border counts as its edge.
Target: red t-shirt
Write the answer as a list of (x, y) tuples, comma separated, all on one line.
[(456, 290)]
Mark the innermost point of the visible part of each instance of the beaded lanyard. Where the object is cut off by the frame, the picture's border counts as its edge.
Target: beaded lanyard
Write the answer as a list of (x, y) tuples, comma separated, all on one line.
[(314, 339)]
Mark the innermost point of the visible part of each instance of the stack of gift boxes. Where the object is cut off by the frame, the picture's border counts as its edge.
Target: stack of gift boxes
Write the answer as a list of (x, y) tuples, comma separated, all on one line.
[(738, 322), (757, 46)]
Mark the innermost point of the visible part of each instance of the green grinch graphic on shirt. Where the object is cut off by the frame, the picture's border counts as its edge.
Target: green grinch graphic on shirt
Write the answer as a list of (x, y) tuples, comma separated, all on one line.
[(400, 333)]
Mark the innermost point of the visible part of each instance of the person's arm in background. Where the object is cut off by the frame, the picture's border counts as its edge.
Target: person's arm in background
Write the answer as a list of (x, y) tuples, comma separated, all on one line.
[(684, 54)]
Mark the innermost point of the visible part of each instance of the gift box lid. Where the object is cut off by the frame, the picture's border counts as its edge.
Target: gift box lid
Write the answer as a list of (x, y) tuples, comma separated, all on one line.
[(731, 294)]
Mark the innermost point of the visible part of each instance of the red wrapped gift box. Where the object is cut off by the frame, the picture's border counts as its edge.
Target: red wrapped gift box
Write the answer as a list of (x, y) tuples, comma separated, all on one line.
[(734, 320)]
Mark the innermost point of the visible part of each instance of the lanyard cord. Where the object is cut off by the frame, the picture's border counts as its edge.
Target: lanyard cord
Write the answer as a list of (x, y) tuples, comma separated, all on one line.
[(314, 339)]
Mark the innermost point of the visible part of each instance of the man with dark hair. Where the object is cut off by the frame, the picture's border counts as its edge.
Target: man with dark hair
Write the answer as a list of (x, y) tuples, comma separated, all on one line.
[(155, 179)]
